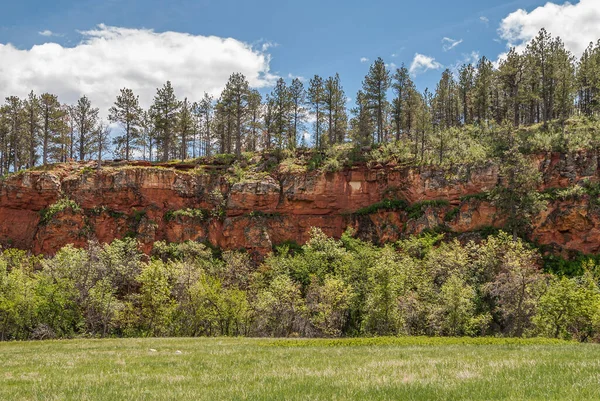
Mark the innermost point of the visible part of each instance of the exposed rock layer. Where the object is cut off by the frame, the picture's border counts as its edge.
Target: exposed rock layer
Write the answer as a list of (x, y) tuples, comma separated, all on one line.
[(257, 214)]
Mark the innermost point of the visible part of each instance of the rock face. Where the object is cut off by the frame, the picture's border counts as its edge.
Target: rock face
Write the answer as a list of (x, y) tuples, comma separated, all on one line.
[(153, 203)]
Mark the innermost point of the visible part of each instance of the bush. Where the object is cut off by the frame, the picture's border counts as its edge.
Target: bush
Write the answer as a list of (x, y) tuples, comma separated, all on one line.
[(46, 215)]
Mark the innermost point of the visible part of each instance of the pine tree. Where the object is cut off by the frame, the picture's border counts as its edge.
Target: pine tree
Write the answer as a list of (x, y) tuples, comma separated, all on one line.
[(297, 98), (127, 112), (361, 125), (237, 90), (185, 127), (316, 99), (466, 84), (205, 113), (86, 121), (563, 81), (32, 132), (483, 90), (4, 140), (402, 86), (254, 110), (53, 125), (281, 114), (445, 102), (102, 142), (164, 114), (13, 110), (335, 109), (375, 87), (541, 51), (510, 73), (269, 107)]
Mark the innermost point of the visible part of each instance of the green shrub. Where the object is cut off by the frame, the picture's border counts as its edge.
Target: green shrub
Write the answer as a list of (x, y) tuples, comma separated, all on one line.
[(46, 215), (481, 196), (196, 214), (417, 210), (451, 214)]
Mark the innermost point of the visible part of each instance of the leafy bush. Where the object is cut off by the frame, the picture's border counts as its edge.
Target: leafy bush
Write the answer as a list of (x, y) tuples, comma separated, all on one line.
[(46, 215), (195, 214)]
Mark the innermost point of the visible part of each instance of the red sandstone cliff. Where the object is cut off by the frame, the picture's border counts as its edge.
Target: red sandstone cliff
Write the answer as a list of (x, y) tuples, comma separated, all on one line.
[(257, 214)]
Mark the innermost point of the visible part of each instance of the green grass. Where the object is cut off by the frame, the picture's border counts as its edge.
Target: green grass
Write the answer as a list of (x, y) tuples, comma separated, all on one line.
[(266, 369)]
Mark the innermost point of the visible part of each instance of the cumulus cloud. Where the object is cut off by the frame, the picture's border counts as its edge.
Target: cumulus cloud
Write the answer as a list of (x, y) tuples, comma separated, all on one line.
[(449, 43), (577, 24), (422, 63), (109, 58), (364, 59)]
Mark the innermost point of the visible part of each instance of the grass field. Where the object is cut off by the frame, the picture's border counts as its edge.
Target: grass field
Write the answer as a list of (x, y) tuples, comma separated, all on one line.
[(262, 369)]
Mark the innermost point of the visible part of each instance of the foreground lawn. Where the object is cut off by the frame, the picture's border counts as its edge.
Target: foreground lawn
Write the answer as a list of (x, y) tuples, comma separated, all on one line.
[(259, 369)]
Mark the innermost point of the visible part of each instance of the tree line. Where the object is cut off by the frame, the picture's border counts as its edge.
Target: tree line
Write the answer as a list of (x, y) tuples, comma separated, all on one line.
[(541, 84), (326, 288)]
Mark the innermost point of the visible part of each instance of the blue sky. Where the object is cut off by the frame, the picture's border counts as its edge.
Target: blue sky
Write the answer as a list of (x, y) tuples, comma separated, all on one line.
[(297, 38)]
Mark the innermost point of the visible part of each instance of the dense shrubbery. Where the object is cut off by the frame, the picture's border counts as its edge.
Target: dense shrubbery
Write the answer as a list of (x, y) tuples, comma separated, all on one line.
[(326, 288)]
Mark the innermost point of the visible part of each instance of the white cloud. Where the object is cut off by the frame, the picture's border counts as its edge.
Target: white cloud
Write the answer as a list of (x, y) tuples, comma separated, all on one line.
[(46, 33), (449, 44), (299, 77), (110, 58), (577, 24), (364, 59), (467, 58), (422, 63), (483, 19)]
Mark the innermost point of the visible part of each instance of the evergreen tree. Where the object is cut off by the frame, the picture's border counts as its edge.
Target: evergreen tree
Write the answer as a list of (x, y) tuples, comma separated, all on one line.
[(281, 114), (402, 86), (375, 87), (466, 84), (53, 125), (316, 99), (541, 50), (164, 114), (102, 142), (86, 121), (445, 102), (185, 127), (127, 112), (361, 124), (254, 110), (205, 113), (237, 91), (297, 98), (335, 109), (483, 90), (15, 120), (32, 132), (516, 197), (510, 73)]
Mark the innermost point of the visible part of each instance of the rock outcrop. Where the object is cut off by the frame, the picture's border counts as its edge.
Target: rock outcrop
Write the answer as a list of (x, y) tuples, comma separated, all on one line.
[(157, 203)]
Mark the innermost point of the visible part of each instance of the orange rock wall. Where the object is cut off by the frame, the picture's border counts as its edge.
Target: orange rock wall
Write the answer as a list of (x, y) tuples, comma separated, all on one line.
[(281, 207)]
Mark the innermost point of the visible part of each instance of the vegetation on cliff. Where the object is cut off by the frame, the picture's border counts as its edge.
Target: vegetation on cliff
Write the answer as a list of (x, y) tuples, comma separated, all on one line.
[(536, 93), (326, 288)]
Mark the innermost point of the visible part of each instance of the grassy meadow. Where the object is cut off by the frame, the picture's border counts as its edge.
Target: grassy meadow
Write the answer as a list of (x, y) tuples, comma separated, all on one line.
[(265, 369)]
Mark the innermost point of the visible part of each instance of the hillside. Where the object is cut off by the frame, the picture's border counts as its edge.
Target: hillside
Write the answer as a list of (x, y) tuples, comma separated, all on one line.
[(263, 201)]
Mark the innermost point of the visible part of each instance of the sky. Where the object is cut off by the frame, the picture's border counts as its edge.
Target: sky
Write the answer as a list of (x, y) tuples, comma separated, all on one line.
[(92, 47)]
